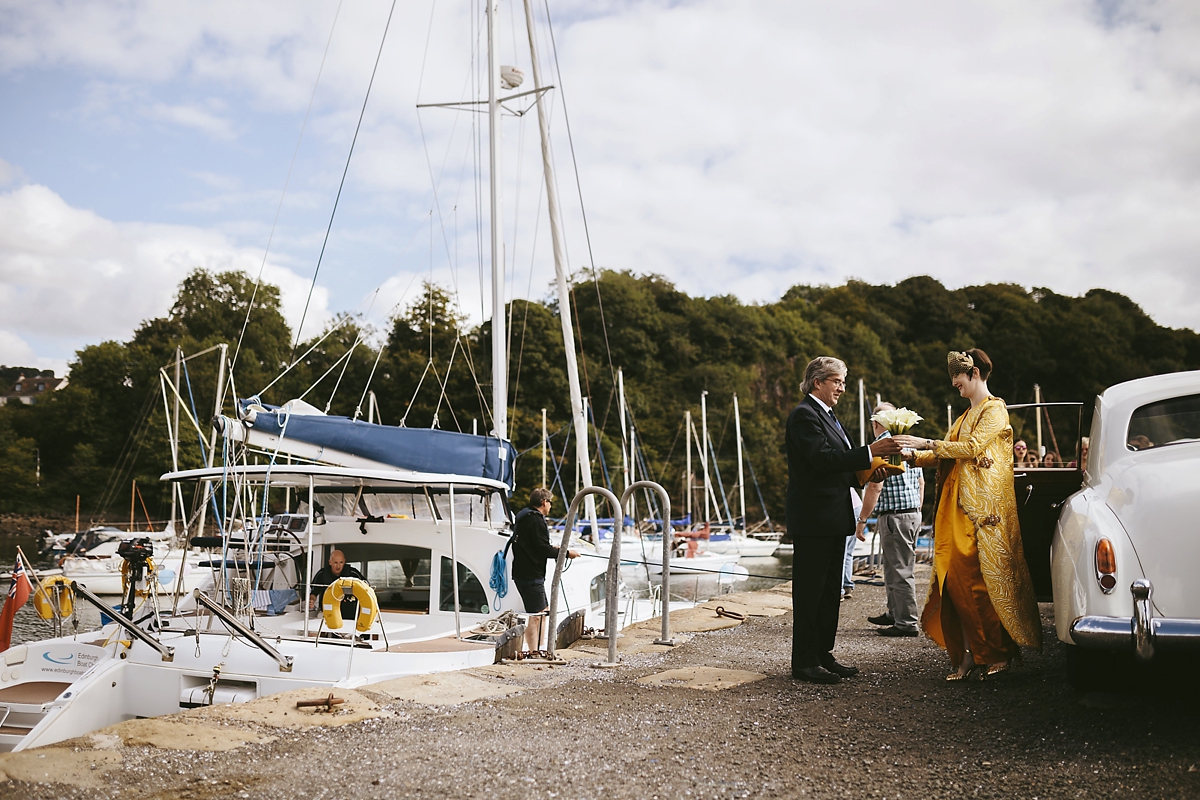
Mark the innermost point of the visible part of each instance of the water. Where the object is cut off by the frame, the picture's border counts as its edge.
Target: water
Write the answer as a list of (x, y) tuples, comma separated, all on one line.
[(765, 573), (27, 625)]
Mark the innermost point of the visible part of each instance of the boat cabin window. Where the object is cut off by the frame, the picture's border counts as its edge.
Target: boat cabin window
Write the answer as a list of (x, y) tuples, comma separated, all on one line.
[(471, 597), (399, 574), (1173, 421), (393, 505), (471, 506)]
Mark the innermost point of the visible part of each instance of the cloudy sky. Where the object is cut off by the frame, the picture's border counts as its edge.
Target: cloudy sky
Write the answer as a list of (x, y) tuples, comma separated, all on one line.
[(734, 147)]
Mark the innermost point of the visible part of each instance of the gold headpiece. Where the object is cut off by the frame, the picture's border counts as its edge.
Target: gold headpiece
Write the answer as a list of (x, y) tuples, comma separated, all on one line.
[(959, 363)]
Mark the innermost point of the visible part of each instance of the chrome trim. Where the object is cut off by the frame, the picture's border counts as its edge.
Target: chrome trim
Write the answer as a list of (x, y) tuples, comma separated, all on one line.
[(1143, 619), (1143, 633)]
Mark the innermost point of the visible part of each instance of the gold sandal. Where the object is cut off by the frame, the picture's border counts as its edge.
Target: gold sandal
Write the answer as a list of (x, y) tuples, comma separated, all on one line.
[(960, 676), (992, 670)]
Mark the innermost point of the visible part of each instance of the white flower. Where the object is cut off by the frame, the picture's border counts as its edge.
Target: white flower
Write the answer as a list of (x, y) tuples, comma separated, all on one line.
[(897, 420)]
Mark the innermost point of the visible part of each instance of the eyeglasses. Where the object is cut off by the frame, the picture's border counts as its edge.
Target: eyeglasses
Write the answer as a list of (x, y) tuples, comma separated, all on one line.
[(836, 382), (1019, 447)]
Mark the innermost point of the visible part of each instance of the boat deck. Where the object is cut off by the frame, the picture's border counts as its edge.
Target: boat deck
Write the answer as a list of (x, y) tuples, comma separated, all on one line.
[(33, 692), (447, 644)]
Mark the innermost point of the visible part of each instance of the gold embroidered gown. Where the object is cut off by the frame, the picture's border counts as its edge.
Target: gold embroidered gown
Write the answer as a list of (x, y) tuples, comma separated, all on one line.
[(980, 585)]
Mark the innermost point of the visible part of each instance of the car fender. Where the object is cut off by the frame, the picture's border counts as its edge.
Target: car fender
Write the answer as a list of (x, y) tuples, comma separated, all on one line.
[(1084, 519)]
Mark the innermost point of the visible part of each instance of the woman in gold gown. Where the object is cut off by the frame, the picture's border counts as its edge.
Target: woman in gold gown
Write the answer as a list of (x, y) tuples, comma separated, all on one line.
[(981, 606)]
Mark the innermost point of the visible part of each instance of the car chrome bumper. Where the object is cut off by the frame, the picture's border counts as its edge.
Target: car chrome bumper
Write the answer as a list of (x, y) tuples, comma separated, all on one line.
[(1143, 632)]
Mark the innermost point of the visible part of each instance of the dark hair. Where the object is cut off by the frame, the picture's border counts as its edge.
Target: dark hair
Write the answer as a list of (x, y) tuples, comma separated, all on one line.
[(982, 362), (539, 496)]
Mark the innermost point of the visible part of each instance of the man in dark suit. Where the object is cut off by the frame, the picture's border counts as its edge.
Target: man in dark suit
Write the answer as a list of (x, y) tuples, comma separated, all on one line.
[(821, 466)]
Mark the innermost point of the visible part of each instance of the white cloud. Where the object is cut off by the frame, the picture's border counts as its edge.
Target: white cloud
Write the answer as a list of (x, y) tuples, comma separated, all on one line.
[(192, 116), (733, 147), (69, 277)]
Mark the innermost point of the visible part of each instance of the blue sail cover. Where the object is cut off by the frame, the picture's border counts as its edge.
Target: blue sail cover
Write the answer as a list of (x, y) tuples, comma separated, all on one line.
[(418, 449)]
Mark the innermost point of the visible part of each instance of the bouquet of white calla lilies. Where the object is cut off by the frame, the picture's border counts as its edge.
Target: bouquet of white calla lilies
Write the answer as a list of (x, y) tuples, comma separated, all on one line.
[(897, 421)]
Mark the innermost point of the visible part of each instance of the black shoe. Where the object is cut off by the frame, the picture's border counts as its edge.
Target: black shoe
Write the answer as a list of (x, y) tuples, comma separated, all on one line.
[(815, 675), (883, 619), (897, 631), (840, 670)]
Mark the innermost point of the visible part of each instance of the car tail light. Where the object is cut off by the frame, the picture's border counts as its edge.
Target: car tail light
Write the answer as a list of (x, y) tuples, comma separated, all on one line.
[(1106, 565)]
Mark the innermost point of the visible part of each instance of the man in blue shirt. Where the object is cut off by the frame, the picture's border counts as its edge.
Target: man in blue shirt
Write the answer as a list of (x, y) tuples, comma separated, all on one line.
[(897, 506)]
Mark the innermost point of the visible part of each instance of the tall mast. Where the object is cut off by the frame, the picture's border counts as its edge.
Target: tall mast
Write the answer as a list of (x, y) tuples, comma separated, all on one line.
[(499, 334), (625, 443), (737, 423), (687, 435), (704, 450), (582, 456)]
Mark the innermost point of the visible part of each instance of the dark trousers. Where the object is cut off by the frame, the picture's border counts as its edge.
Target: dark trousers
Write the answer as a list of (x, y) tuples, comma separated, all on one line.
[(816, 598)]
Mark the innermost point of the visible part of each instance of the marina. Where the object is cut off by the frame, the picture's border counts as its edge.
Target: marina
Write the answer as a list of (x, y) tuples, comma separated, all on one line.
[(474, 400)]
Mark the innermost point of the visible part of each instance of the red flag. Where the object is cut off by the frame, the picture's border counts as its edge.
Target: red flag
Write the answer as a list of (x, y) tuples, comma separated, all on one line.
[(18, 595)]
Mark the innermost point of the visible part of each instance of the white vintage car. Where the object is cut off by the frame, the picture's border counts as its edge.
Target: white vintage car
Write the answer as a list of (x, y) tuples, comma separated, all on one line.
[(1126, 548)]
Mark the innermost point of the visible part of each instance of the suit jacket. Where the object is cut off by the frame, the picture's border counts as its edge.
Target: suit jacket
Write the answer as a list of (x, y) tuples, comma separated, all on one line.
[(821, 468)]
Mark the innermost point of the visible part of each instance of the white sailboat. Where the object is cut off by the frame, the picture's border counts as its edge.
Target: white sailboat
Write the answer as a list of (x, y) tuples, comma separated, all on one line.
[(422, 517)]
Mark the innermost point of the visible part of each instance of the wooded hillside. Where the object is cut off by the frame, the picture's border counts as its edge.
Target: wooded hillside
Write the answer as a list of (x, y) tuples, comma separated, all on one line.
[(107, 428)]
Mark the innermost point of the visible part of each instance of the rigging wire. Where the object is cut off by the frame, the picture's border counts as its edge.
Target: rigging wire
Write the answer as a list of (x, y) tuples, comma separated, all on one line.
[(337, 199), (579, 188), (287, 182)]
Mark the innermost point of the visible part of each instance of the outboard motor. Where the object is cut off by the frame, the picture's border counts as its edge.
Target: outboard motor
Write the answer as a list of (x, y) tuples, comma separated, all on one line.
[(137, 554)]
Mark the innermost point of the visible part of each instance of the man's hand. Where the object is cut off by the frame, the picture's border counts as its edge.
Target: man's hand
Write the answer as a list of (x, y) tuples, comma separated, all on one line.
[(572, 554), (860, 532), (879, 475), (886, 446)]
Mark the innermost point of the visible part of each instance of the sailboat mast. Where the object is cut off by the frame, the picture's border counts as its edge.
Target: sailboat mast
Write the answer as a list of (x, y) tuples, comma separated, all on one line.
[(499, 334), (625, 445), (582, 457), (737, 424), (704, 450), (687, 435)]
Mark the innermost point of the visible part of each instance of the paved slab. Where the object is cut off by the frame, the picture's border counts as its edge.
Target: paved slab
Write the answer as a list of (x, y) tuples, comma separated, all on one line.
[(444, 688), (86, 769), (709, 679)]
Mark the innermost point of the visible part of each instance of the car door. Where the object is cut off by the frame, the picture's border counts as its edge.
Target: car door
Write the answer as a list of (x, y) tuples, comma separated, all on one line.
[(1041, 488)]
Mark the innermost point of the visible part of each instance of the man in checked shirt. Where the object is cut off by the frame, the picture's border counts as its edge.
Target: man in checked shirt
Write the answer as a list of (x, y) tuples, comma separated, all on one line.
[(897, 506)]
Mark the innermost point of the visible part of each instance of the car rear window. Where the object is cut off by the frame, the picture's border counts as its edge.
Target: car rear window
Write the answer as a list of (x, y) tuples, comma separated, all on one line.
[(1173, 421)]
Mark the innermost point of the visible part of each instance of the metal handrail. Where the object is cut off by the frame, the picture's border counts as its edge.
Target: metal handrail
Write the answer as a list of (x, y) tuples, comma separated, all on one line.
[(614, 565), (666, 552), (285, 662), (167, 653)]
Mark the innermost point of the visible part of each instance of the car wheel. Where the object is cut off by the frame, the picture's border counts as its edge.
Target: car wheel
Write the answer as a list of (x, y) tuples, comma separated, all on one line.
[(1097, 670)]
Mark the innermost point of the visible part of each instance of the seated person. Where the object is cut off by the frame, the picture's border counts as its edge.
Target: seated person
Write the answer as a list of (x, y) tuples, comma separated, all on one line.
[(337, 568)]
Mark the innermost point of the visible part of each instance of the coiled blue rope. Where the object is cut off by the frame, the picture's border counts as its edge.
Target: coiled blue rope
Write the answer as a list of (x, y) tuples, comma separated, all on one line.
[(499, 580)]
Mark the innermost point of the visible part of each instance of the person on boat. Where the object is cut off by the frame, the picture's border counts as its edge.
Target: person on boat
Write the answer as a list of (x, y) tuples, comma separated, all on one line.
[(336, 568), (820, 516), (531, 549), (896, 504), (981, 605)]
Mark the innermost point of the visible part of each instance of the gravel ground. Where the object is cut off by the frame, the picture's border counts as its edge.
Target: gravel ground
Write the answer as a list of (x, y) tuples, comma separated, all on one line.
[(897, 730)]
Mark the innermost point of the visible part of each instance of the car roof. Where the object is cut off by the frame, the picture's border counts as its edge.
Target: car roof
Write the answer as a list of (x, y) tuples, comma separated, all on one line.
[(1139, 392)]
